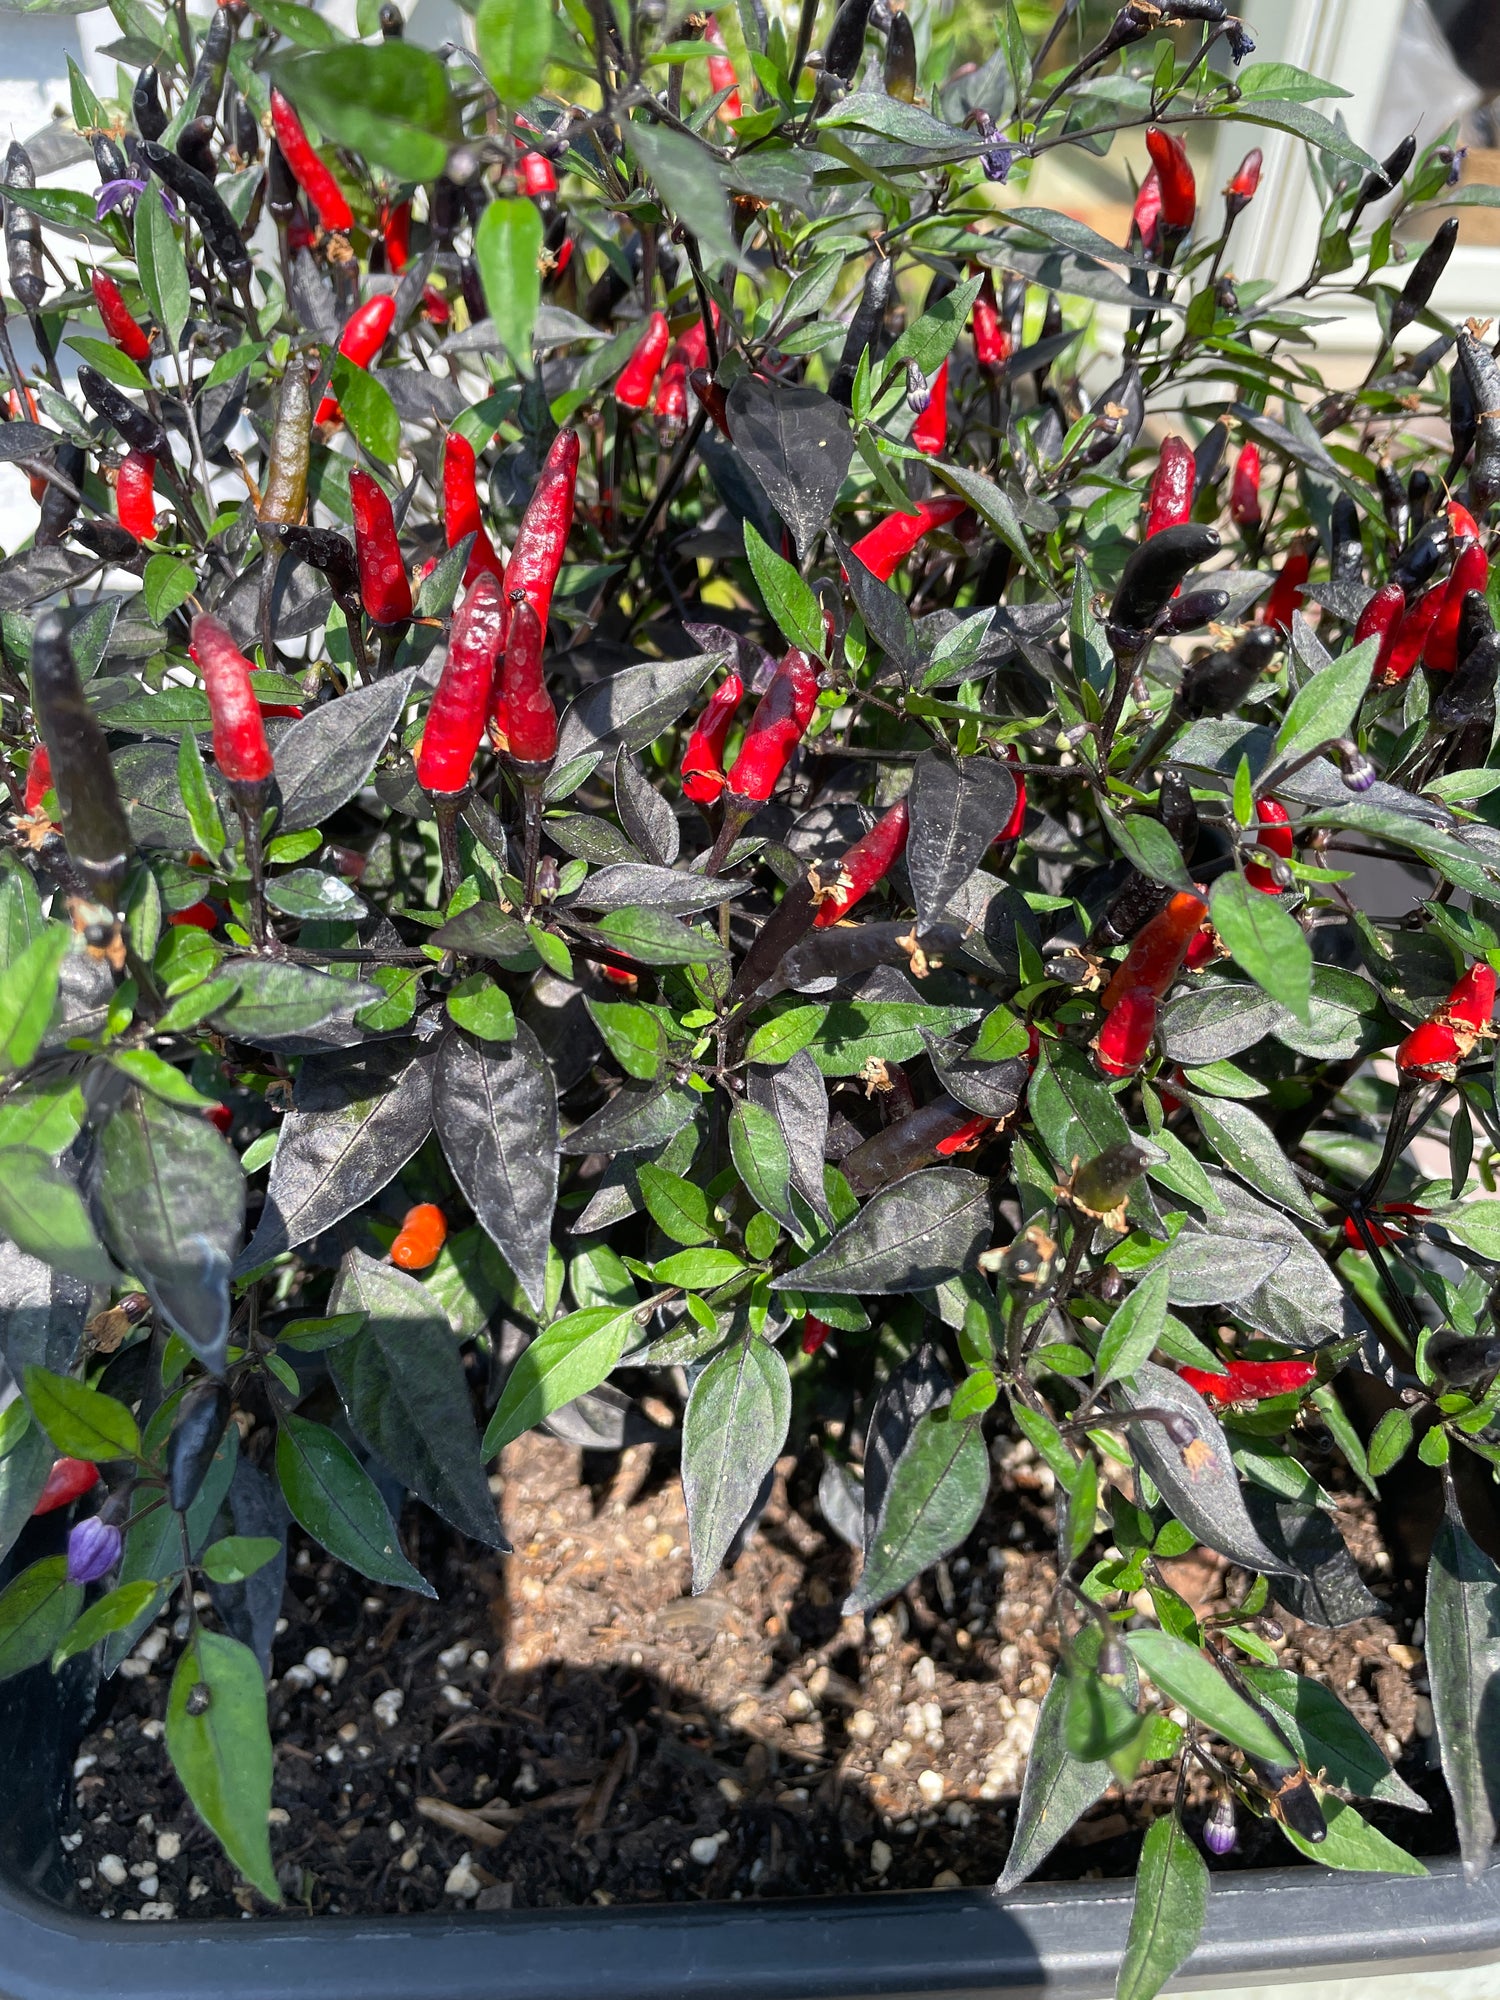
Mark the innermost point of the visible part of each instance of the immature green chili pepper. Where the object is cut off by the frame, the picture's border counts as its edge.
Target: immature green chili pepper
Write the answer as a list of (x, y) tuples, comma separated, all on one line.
[(1153, 572), (120, 323), (146, 106), (308, 167), (94, 824), (874, 298), (455, 719), (23, 232), (703, 759), (221, 233), (213, 60), (541, 541), (900, 73), (462, 514), (240, 748), (196, 1435), (138, 428), (525, 715), (1101, 1184), (283, 499), (868, 861), (383, 584), (846, 40), (1170, 500)]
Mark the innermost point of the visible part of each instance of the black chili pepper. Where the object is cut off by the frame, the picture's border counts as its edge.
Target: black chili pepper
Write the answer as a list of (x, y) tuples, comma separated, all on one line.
[(221, 233), (1475, 622), (94, 824), (445, 210), (869, 316), (1463, 420), (1423, 555), (900, 75), (1154, 570), (1219, 683), (1209, 455), (146, 105), (1483, 376), (1379, 183), (138, 428), (23, 232), (207, 83), (201, 1417), (1462, 1357), (1421, 497), (392, 22), (1177, 809), (1417, 367), (846, 40), (901, 1148), (1119, 414), (243, 128), (58, 509), (1392, 499), (1469, 691), (1194, 608), (1129, 909), (1347, 557), (195, 144), (281, 185), (326, 550), (110, 542), (1425, 273), (109, 159)]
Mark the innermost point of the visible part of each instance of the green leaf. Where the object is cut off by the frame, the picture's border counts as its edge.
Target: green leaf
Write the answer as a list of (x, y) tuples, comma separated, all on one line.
[(852, 1032), (780, 1038), (653, 937), (1166, 1920), (338, 1503), (220, 1746), (1266, 940), (311, 1336), (113, 1612), (484, 1008), (46, 1117), (566, 1359), (679, 1208), (1327, 1737), (1187, 1676), (514, 39), (234, 1557), (36, 1609), (1389, 1441), (1249, 1148), (167, 583), (110, 362), (1326, 705), (697, 1270), (763, 1162), (1463, 1663), (1305, 123), (367, 408), (788, 599), (82, 1422), (388, 103), (1136, 1328), (507, 244), (1352, 1843), (633, 1035), (733, 1430), (28, 995), (688, 177), (163, 270), (300, 24), (934, 1496), (159, 1077), (197, 796), (42, 1212)]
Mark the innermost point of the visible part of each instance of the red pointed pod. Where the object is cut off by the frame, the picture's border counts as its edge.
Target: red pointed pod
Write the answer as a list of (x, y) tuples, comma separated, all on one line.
[(1277, 838), (461, 510), (538, 176), (1170, 500), (197, 916), (1012, 827), (120, 323), (965, 1139), (1246, 180), (69, 1479), (1381, 619), (1145, 216), (1471, 1004), (776, 728), (395, 234), (814, 1332), (1212, 1388), (135, 495), (1409, 640), (524, 710), (1471, 571), (670, 408), (721, 73), (309, 170), (1462, 523), (703, 760), (455, 721), (637, 378), (240, 748), (1124, 1041), (692, 348), (422, 1234), (930, 432), (891, 541), (1431, 1051), (1244, 487), (1286, 591), (542, 538), (992, 345), (1179, 191), (1157, 951), (38, 777), (866, 862), (384, 588), (363, 337)]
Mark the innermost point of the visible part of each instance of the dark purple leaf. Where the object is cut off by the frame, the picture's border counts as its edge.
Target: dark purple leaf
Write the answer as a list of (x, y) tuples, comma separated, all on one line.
[(1463, 1660), (323, 760), (1327, 1588), (931, 1501), (957, 809), (635, 1120), (495, 1108), (796, 1096), (633, 707), (908, 1237), (644, 812), (733, 1430), (797, 443), (907, 1394)]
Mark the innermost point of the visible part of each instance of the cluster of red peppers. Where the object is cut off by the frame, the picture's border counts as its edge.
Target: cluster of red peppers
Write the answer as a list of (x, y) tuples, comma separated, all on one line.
[(1426, 629), (1434, 1049), (1157, 954)]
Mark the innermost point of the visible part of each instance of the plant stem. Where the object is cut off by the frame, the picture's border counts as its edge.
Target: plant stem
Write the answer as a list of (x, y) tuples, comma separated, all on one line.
[(445, 811)]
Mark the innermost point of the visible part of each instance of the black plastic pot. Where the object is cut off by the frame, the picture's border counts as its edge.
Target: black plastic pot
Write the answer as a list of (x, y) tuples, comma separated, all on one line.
[(1063, 1941)]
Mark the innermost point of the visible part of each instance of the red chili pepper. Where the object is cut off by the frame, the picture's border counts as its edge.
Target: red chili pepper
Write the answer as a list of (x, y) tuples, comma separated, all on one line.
[(1381, 1231), (891, 541), (38, 777), (538, 176), (1405, 647), (1471, 571), (1381, 619), (461, 511), (120, 323), (721, 74), (1241, 190), (1124, 1041), (197, 916), (1156, 951), (637, 378), (422, 1235), (1471, 1004), (542, 538), (992, 346), (1012, 827), (220, 1117), (930, 432), (308, 169), (814, 1332), (300, 234), (395, 234), (1432, 1049), (711, 396), (1244, 488), (1145, 216), (867, 861), (435, 308), (703, 760), (1179, 191), (1251, 1381), (383, 586), (1277, 838), (525, 719), (671, 397), (965, 1139), (1286, 591), (618, 976), (240, 747), (1170, 500), (69, 1479), (1465, 528), (135, 495), (1204, 948), (287, 708), (776, 728), (692, 348), (361, 340), (455, 720)]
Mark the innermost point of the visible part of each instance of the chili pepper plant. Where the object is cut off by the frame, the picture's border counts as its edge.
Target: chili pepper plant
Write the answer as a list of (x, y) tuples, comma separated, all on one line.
[(647, 706)]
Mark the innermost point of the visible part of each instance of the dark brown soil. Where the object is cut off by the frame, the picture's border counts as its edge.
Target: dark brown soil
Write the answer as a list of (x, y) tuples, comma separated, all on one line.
[(573, 1727)]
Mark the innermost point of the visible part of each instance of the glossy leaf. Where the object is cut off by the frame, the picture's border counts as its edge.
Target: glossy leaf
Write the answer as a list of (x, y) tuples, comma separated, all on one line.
[(566, 1359), (36, 1609), (339, 1505), (910, 1235), (732, 1433), (1463, 1654), (220, 1746), (1166, 1920), (957, 808), (495, 1108), (936, 1490)]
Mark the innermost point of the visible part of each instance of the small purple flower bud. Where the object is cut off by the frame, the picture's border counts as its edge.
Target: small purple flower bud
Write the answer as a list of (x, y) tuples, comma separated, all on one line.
[(1220, 1834), (1454, 155), (93, 1550), (998, 162), (918, 394), (1357, 770), (1181, 1430), (1241, 41)]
